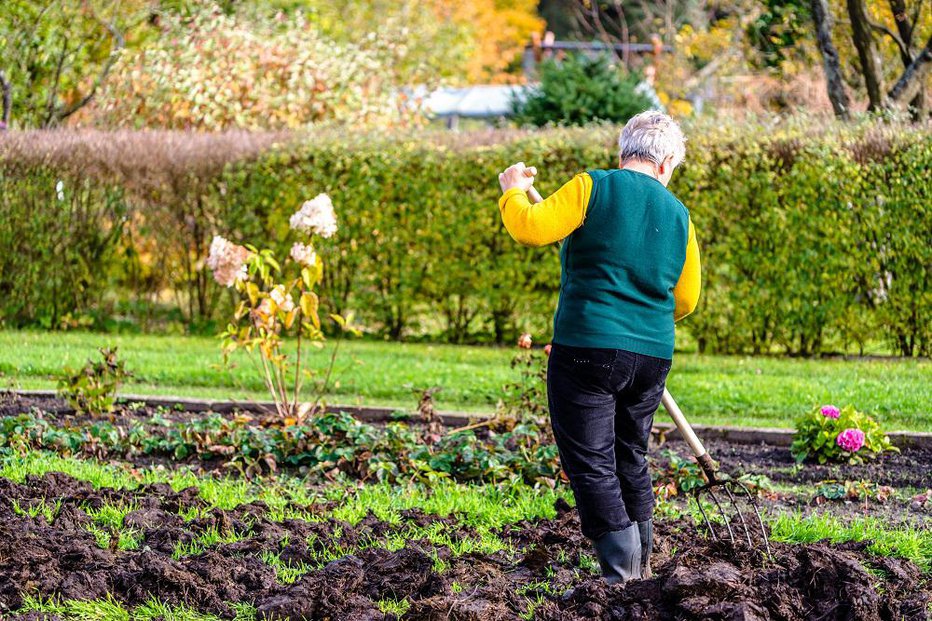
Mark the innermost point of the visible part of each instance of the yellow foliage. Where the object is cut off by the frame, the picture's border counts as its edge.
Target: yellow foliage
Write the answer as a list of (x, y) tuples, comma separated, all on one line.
[(500, 29), (680, 108), (211, 72)]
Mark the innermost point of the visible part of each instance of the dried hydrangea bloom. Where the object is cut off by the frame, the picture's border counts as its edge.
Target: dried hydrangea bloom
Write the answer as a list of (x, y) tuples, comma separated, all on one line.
[(263, 316), (227, 261), (830, 411), (303, 254), (284, 301), (315, 216), (850, 440), (525, 341)]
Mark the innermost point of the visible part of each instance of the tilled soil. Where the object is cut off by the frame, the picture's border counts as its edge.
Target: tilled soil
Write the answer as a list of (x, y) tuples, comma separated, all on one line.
[(702, 580), (909, 468)]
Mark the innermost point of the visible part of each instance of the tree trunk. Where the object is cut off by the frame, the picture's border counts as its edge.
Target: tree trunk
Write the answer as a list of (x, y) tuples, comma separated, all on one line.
[(905, 28), (863, 38), (822, 17), (7, 88), (910, 83)]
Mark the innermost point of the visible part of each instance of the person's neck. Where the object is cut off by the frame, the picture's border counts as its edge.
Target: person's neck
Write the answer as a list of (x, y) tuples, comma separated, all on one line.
[(648, 168)]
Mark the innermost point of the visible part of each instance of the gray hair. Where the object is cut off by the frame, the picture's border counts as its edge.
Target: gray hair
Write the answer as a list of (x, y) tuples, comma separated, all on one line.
[(652, 136)]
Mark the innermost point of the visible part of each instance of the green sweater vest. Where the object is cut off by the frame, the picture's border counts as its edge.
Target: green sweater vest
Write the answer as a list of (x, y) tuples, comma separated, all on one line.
[(619, 268)]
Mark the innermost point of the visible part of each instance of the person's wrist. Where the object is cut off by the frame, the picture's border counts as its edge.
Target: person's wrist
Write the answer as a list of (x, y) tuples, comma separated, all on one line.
[(507, 194)]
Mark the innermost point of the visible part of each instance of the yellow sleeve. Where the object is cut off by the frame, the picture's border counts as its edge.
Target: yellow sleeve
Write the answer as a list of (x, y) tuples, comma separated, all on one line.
[(686, 291), (552, 219)]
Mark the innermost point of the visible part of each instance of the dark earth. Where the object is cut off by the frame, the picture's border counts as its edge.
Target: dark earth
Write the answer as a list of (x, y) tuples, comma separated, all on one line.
[(703, 580), (695, 578)]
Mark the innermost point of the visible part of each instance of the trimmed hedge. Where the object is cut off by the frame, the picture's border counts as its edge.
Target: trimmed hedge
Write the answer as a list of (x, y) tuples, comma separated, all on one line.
[(815, 236)]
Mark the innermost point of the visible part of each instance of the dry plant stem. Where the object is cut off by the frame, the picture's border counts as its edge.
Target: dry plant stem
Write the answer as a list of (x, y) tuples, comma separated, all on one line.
[(271, 384), (297, 377), (472, 426), (280, 379), (333, 359), (252, 360)]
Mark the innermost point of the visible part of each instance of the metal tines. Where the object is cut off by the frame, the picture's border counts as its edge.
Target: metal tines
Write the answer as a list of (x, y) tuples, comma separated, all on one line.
[(728, 495)]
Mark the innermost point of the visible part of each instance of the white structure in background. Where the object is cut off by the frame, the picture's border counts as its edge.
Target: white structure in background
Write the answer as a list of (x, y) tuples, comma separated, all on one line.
[(490, 102)]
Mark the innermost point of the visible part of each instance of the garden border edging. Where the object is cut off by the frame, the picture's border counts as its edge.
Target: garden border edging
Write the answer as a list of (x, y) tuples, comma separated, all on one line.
[(774, 436)]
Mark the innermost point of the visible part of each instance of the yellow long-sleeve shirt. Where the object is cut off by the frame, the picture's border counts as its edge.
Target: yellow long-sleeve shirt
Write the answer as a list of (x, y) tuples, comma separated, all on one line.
[(564, 211)]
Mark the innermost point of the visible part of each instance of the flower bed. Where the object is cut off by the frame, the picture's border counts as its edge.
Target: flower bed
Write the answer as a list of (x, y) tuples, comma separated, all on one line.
[(378, 526)]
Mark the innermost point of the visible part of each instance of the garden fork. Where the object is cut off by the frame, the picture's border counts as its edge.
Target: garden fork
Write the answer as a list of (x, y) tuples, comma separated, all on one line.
[(733, 489)]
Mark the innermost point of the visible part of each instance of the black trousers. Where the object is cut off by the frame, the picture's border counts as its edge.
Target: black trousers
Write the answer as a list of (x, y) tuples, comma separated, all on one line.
[(602, 404)]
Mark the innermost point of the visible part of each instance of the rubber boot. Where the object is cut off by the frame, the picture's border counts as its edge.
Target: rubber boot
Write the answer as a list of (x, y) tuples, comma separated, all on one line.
[(619, 554), (646, 531)]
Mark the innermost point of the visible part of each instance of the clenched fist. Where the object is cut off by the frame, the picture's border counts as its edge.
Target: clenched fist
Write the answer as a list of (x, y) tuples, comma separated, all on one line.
[(517, 176)]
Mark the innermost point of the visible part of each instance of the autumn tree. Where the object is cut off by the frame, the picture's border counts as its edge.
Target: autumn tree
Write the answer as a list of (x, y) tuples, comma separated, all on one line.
[(56, 54), (873, 26)]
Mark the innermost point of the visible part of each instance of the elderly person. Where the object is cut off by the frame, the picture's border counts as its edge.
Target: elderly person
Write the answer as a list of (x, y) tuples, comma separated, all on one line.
[(630, 269)]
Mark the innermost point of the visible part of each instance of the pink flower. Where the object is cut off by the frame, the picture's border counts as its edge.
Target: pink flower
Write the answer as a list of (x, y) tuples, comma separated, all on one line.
[(524, 341), (547, 348), (830, 411), (227, 261), (850, 440)]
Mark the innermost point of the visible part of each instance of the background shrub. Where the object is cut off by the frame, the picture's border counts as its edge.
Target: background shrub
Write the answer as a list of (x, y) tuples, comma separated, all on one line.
[(580, 89), (60, 235), (814, 236)]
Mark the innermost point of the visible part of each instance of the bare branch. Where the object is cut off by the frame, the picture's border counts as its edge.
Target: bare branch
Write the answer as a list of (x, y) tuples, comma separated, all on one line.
[(53, 90), (603, 34), (626, 55), (904, 51), (118, 44), (910, 83)]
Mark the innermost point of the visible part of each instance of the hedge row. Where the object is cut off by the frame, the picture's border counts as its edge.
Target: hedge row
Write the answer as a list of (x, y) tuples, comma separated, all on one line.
[(814, 236)]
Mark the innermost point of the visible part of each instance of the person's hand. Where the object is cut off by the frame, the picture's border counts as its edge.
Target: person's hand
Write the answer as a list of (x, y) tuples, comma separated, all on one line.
[(517, 176)]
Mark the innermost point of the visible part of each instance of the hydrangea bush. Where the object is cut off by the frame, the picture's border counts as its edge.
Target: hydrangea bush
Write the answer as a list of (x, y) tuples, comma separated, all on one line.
[(210, 71), (828, 433), (278, 300)]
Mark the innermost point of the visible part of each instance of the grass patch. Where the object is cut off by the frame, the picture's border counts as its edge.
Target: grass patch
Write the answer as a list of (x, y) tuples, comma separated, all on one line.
[(475, 505), (110, 609), (285, 572), (905, 541), (480, 506), (47, 510), (734, 390), (110, 515), (128, 539), (207, 539), (394, 606)]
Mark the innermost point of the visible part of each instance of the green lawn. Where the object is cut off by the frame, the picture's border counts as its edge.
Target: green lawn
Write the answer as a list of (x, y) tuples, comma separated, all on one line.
[(711, 389)]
